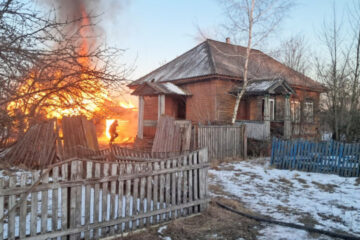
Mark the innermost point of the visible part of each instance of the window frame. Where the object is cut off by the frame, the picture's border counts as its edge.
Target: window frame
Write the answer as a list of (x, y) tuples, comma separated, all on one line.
[(308, 112), (295, 110)]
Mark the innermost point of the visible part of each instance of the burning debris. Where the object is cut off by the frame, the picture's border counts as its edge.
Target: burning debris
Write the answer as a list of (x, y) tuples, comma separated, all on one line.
[(53, 100)]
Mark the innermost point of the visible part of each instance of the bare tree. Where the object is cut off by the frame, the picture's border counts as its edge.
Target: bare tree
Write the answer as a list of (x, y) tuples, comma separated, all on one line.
[(352, 130), (294, 53), (251, 21), (45, 67), (341, 76)]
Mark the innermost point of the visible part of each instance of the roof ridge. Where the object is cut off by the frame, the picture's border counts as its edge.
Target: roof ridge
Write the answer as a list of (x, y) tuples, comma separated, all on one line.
[(212, 60), (166, 64)]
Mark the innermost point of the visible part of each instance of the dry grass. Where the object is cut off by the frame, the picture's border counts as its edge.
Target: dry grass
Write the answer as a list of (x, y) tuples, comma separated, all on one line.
[(214, 223), (357, 181), (325, 187)]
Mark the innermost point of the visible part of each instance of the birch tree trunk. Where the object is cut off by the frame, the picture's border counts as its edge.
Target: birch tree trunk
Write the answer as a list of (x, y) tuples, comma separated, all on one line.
[(245, 80)]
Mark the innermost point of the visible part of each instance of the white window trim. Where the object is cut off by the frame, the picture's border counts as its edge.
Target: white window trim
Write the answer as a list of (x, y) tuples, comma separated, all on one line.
[(311, 104), (272, 111)]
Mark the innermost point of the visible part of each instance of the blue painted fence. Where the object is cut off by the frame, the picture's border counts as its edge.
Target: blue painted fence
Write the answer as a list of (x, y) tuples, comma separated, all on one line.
[(324, 157)]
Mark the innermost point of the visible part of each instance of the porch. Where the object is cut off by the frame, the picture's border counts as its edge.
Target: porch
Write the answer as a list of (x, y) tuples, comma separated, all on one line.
[(265, 109)]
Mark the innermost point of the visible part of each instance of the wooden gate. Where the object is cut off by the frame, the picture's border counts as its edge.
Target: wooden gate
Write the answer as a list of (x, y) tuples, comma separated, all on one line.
[(223, 140)]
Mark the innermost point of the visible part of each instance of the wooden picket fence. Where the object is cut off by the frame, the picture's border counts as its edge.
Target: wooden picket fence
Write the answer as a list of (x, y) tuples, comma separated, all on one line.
[(223, 140), (324, 157), (91, 199)]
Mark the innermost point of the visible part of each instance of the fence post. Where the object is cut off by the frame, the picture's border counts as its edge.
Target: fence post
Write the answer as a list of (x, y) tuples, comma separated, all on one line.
[(203, 158), (244, 141)]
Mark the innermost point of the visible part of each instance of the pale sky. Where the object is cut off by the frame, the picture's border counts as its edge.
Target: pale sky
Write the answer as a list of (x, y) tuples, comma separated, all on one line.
[(157, 31)]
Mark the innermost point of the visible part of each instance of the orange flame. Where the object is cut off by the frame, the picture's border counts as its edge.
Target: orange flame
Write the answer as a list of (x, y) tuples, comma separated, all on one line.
[(55, 105)]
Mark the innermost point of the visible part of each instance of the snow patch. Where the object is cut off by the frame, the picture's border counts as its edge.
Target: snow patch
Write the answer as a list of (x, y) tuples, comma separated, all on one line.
[(325, 201)]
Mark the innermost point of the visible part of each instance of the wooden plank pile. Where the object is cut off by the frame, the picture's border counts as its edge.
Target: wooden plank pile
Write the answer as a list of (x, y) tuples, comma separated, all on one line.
[(172, 136), (41, 144), (37, 148), (79, 137)]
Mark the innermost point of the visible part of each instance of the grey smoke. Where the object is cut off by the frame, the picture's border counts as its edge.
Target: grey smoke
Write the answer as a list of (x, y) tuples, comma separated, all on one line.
[(106, 10)]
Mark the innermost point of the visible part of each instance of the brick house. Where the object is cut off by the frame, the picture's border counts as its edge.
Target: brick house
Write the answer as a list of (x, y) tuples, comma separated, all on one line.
[(201, 85)]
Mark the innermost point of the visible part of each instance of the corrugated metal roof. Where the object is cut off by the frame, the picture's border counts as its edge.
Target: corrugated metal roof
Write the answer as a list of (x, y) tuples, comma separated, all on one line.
[(213, 57)]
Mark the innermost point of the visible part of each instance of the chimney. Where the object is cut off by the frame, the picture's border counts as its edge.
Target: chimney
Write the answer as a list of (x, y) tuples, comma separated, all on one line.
[(228, 40)]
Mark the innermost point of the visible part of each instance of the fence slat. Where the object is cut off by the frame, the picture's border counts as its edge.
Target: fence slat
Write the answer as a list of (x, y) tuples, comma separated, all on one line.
[(325, 157), (142, 196), (44, 205), (162, 189), (114, 168), (64, 199), (185, 186), (22, 218), (12, 199), (190, 176), (97, 200), (135, 193), (1, 210), (73, 199), (149, 193), (105, 189), (128, 195), (55, 200), (167, 188), (196, 196), (88, 208), (156, 190), (173, 187)]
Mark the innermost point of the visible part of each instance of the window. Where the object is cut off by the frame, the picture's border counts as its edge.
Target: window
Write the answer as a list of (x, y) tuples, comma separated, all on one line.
[(309, 111), (272, 108), (295, 110)]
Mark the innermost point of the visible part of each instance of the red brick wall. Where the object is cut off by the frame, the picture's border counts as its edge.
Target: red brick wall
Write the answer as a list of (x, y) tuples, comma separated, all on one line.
[(150, 113), (308, 130), (225, 102), (151, 108), (211, 101), (250, 109), (243, 111), (171, 106), (200, 107)]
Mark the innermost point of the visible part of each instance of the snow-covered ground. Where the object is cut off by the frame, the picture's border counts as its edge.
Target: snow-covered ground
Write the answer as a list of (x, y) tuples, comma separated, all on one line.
[(322, 201)]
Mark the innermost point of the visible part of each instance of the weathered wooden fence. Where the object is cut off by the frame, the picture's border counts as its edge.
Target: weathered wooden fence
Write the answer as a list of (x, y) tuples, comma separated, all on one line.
[(256, 129), (91, 199), (325, 157), (223, 140)]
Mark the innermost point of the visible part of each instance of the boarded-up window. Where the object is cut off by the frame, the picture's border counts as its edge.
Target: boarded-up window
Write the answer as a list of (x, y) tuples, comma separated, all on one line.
[(309, 111), (295, 111)]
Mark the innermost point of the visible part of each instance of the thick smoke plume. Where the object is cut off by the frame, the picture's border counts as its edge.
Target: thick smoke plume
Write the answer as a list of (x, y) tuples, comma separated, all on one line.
[(97, 11)]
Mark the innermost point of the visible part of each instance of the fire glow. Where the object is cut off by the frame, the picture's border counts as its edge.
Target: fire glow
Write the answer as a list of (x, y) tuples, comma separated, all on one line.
[(126, 129), (89, 104)]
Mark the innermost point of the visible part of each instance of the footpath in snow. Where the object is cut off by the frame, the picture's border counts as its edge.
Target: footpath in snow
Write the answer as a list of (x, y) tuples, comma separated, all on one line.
[(322, 201)]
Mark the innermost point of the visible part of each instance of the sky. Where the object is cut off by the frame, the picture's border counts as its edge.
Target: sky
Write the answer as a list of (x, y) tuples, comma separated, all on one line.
[(154, 32)]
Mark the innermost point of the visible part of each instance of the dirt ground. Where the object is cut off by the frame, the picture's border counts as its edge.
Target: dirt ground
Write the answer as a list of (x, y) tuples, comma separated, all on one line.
[(213, 223)]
